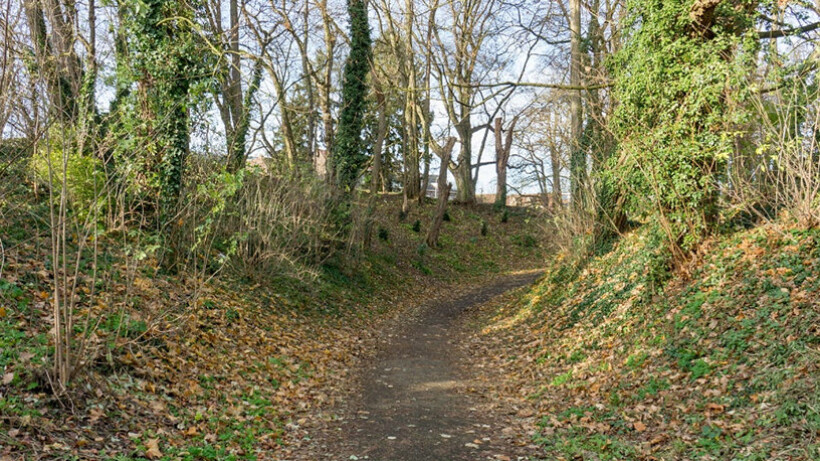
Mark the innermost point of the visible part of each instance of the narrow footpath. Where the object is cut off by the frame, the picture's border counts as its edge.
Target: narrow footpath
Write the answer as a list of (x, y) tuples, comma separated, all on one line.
[(416, 400)]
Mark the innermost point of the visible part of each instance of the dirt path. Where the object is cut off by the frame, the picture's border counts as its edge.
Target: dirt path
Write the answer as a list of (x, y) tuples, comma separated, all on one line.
[(416, 400)]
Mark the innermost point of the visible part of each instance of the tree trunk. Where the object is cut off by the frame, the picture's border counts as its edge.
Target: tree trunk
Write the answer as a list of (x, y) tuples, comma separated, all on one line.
[(348, 156), (577, 155), (555, 166), (464, 172), (55, 57), (411, 160), (287, 124), (425, 110), (375, 172), (444, 194), (91, 75), (503, 147), (307, 70), (375, 175), (425, 178), (232, 92), (235, 84), (176, 151), (240, 132), (326, 86)]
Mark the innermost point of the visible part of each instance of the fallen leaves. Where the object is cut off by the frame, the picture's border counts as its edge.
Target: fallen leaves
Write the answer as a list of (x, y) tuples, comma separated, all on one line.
[(152, 449), (693, 366), (714, 409)]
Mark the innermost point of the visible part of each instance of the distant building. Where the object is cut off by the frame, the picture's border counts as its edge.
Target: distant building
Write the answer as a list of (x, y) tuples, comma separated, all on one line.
[(432, 188), (530, 201), (486, 198), (516, 200), (261, 162), (320, 163)]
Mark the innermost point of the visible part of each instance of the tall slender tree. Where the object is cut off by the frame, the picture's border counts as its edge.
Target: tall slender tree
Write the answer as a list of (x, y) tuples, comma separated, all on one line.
[(348, 155), (232, 103), (51, 25), (577, 161)]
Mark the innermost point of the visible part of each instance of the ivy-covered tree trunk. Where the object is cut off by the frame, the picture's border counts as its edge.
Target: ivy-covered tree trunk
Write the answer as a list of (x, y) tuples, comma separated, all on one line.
[(174, 142), (677, 80), (577, 160), (163, 60), (348, 156), (239, 133)]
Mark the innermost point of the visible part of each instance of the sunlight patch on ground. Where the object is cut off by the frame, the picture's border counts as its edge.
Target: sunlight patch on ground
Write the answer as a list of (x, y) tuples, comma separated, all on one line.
[(507, 321), (436, 386)]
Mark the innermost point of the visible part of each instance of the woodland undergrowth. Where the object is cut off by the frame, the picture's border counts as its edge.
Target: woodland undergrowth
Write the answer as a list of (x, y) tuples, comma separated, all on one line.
[(222, 350)]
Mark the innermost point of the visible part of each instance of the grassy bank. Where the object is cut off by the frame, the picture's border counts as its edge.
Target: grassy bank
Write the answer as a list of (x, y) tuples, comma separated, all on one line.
[(215, 366), (620, 359)]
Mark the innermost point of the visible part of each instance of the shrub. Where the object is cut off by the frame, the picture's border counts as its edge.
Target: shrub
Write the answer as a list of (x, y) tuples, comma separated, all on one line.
[(783, 173), (84, 179), (284, 221), (275, 224), (524, 240)]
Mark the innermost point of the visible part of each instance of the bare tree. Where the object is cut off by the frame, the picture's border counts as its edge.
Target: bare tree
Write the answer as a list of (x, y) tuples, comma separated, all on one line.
[(234, 106), (400, 38), (51, 26), (426, 92), (443, 194), (9, 64), (542, 146), (381, 131), (503, 146), (456, 60), (317, 74), (331, 31)]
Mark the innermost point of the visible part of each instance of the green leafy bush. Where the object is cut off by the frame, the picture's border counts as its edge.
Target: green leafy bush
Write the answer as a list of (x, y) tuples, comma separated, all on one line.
[(524, 240), (680, 83), (84, 179)]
